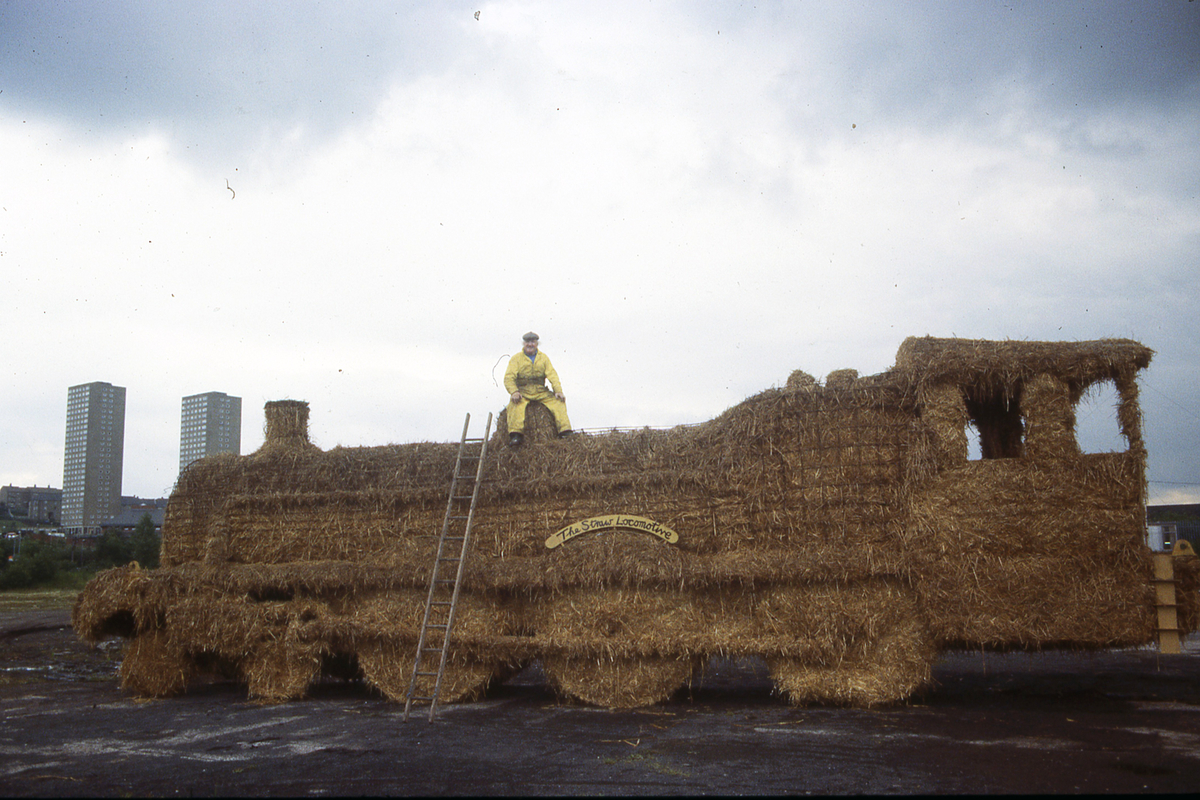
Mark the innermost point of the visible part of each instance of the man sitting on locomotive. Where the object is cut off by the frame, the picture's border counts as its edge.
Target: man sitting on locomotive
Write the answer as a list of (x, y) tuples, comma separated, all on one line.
[(525, 379)]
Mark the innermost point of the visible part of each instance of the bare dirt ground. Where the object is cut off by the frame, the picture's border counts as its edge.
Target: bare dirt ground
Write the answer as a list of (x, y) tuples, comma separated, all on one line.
[(1119, 721)]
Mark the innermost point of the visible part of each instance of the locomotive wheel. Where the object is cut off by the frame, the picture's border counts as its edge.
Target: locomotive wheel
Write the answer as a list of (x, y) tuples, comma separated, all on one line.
[(890, 660), (388, 667), (607, 643), (277, 672), (151, 667), (623, 682)]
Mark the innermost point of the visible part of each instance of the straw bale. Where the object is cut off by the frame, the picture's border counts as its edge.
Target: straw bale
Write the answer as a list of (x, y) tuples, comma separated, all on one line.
[(841, 379), (200, 490), (1022, 601), (153, 667), (1187, 590), (869, 646), (846, 683), (113, 604), (481, 624), (975, 362), (385, 630), (1006, 580), (1129, 414), (1049, 407), (386, 664), (286, 425), (540, 428), (248, 508), (829, 460), (619, 682), (800, 380), (282, 669), (617, 622)]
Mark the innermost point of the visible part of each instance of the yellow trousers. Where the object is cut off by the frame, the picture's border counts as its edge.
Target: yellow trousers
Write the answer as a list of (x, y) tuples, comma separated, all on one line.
[(537, 394)]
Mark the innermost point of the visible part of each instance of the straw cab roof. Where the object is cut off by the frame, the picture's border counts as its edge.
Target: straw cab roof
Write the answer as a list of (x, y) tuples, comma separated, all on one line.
[(928, 360)]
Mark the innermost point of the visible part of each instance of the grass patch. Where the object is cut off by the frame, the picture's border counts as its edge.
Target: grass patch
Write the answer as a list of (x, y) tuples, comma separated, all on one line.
[(647, 761), (46, 598)]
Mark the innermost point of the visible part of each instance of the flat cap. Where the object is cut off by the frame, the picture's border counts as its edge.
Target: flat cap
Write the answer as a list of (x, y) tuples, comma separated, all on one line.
[(530, 337)]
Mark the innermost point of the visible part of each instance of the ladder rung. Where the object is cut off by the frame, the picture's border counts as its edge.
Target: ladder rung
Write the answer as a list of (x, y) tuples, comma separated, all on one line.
[(439, 602)]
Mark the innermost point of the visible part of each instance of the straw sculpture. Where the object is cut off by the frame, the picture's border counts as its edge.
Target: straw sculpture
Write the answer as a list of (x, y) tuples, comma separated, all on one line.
[(838, 531)]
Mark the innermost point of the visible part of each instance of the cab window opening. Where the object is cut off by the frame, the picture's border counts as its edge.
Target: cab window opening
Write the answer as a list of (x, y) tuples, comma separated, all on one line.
[(1097, 426), (995, 427)]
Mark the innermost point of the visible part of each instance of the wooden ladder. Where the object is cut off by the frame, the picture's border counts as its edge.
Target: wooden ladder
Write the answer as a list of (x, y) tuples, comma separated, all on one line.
[(451, 554)]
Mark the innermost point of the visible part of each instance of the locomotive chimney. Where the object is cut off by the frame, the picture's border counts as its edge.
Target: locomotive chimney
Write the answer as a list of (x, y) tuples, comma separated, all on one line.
[(287, 424)]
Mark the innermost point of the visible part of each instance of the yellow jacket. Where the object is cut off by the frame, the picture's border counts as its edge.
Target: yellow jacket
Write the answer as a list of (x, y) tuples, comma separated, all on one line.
[(523, 374)]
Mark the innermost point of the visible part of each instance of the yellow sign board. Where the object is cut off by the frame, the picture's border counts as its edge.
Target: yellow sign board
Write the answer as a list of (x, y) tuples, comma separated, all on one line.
[(612, 521)]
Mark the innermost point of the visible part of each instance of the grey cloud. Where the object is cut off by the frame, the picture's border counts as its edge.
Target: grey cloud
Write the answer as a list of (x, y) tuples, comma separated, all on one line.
[(216, 74), (237, 66), (935, 62)]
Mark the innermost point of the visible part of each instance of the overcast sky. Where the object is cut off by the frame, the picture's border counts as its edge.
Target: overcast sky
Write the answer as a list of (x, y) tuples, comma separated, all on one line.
[(365, 204)]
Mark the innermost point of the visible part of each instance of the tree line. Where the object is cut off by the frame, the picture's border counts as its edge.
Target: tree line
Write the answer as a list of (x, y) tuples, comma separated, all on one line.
[(43, 562)]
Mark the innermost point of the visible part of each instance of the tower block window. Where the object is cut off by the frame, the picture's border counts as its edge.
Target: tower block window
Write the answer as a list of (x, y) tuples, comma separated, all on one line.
[(995, 416)]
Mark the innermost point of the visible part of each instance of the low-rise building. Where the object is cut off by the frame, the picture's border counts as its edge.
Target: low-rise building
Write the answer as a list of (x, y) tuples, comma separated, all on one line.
[(33, 503), (1167, 524)]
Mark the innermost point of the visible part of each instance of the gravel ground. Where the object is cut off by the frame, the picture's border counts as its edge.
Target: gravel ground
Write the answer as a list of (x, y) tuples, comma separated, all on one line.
[(1119, 721)]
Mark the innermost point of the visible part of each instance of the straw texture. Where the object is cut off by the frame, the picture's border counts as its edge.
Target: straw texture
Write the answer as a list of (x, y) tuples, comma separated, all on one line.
[(839, 531)]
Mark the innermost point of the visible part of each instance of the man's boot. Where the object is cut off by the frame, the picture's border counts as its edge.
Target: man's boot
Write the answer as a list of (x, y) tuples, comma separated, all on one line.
[(515, 439)]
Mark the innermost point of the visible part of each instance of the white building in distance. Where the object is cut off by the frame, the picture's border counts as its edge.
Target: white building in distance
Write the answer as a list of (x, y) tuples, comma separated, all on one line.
[(94, 455), (211, 423)]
